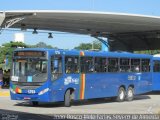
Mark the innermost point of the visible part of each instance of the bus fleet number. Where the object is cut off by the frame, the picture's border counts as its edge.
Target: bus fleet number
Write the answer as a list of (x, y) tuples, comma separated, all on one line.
[(31, 91)]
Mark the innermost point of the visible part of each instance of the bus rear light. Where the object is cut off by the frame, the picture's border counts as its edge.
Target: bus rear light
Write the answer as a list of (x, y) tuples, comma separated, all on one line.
[(43, 91)]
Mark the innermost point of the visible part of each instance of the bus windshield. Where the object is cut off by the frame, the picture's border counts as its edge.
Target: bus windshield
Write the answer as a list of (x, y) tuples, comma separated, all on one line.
[(29, 70)]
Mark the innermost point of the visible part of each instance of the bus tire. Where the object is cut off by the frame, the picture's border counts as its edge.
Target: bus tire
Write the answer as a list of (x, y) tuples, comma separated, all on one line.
[(130, 94), (121, 95), (67, 99), (35, 103)]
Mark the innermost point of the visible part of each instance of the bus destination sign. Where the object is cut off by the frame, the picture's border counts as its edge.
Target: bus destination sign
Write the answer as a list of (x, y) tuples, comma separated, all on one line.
[(30, 53)]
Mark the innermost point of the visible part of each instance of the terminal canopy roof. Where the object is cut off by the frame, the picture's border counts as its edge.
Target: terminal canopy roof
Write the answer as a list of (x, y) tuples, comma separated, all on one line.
[(128, 32)]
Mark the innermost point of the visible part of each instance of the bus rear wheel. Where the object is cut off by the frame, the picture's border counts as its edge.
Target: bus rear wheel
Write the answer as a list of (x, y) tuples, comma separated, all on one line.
[(130, 94), (67, 99), (121, 95)]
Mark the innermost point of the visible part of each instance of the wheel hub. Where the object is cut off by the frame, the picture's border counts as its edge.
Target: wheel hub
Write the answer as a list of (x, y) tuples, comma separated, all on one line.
[(121, 95), (130, 93)]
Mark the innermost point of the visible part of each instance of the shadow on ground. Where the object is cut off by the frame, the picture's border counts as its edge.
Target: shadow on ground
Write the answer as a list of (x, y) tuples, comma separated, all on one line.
[(14, 115), (153, 93), (79, 103)]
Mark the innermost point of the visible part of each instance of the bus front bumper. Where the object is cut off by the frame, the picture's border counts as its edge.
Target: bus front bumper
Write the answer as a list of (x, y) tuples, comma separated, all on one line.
[(30, 97)]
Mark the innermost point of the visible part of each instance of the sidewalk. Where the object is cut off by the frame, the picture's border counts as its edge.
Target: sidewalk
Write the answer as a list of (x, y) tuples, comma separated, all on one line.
[(4, 93)]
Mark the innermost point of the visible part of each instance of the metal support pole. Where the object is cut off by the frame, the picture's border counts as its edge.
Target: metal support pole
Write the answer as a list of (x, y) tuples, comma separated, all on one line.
[(104, 42)]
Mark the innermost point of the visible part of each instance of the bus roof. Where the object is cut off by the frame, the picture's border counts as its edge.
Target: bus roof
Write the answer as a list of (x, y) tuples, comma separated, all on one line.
[(156, 58), (89, 53)]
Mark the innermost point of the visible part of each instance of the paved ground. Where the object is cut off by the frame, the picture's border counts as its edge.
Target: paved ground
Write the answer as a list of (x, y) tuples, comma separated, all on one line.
[(144, 104)]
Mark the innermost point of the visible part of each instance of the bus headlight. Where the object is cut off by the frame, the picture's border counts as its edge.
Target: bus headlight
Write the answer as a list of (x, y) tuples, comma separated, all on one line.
[(43, 91)]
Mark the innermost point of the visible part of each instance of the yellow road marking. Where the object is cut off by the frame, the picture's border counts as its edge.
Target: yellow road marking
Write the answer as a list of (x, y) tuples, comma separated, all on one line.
[(4, 93)]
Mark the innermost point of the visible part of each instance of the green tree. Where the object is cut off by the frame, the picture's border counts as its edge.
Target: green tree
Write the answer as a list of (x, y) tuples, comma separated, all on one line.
[(42, 45), (151, 52), (7, 50), (96, 45)]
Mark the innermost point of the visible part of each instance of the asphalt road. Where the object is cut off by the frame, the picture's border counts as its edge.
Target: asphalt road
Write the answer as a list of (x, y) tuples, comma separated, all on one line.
[(143, 104)]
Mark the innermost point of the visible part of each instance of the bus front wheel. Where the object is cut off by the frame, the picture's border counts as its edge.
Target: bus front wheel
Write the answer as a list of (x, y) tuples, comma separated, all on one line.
[(67, 98), (130, 94), (121, 95)]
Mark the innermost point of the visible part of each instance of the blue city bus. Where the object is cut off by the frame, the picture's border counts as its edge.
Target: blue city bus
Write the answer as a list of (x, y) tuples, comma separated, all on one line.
[(156, 74), (48, 75)]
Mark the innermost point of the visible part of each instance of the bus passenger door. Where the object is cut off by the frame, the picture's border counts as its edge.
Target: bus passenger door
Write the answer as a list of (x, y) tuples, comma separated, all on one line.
[(156, 75)]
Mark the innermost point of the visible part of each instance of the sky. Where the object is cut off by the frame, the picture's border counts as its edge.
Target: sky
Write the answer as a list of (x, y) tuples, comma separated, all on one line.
[(69, 41)]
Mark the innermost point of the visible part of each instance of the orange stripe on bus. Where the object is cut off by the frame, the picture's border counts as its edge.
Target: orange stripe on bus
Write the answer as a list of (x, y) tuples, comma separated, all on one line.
[(83, 85), (82, 88), (81, 53)]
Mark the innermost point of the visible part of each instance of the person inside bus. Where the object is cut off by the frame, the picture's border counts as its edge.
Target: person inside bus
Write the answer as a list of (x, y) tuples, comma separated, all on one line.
[(44, 68), (76, 69), (68, 70), (91, 68), (137, 68)]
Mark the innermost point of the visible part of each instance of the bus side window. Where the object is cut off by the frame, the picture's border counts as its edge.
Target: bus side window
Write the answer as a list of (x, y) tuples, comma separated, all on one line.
[(101, 64), (71, 64), (87, 64), (145, 65), (113, 65), (135, 65), (125, 65), (156, 66)]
